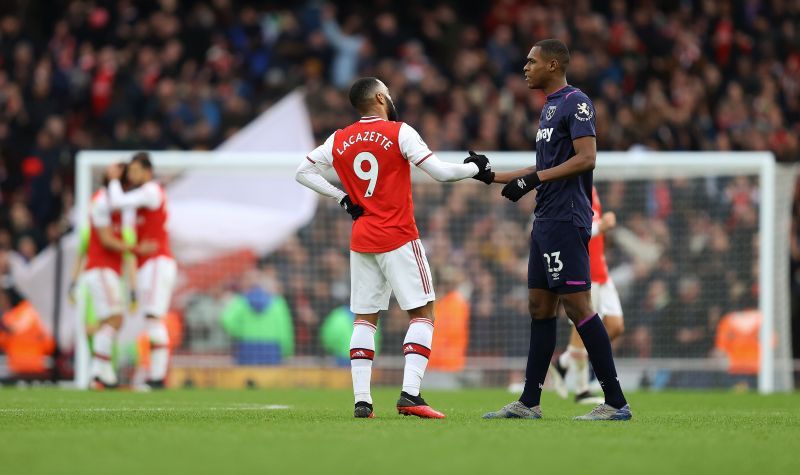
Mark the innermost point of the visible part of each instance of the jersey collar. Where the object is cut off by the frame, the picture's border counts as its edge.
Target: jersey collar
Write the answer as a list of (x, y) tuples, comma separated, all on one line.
[(558, 91), (370, 118)]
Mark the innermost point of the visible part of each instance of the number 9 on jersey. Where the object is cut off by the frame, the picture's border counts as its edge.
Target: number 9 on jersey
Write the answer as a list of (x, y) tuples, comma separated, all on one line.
[(370, 173)]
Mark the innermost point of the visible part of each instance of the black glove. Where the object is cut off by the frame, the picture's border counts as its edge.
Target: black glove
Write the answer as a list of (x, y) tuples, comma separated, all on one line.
[(353, 209), (485, 173), (518, 187)]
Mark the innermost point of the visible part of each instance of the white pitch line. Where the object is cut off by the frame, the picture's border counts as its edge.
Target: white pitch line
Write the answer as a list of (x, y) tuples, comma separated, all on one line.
[(267, 407)]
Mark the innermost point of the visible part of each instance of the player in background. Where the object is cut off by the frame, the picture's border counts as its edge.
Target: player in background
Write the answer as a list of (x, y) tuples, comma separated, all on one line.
[(558, 265), (605, 299), (128, 235), (102, 269), (372, 158), (157, 271)]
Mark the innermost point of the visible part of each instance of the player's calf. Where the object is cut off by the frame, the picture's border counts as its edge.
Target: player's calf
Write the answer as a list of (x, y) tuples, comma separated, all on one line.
[(103, 374), (362, 353), (159, 352), (615, 326)]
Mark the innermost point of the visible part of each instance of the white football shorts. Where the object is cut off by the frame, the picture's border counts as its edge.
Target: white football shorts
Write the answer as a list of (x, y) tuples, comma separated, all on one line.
[(404, 271), (605, 299), (105, 290), (155, 281)]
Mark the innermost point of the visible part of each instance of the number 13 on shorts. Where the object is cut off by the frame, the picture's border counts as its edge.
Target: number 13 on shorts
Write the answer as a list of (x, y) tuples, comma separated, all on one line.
[(554, 263), (559, 258)]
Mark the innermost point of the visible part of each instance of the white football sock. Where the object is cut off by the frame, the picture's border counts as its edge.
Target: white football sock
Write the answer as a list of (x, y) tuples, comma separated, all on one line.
[(103, 345), (579, 359), (564, 359), (417, 350), (159, 348), (362, 352)]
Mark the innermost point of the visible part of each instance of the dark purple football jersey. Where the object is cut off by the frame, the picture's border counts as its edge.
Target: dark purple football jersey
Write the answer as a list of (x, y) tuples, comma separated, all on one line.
[(567, 115)]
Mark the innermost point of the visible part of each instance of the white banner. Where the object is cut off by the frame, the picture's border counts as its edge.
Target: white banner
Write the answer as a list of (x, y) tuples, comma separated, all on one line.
[(209, 217)]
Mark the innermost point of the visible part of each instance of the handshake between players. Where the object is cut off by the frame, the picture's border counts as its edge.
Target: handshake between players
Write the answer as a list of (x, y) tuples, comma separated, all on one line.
[(516, 186), (514, 189)]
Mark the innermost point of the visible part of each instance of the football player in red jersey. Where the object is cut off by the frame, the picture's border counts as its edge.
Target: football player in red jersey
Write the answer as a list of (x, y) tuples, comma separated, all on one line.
[(102, 275), (372, 158), (605, 299), (157, 272)]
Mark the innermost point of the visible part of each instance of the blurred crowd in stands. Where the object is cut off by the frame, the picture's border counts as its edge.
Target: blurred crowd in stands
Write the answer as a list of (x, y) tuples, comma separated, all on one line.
[(663, 75)]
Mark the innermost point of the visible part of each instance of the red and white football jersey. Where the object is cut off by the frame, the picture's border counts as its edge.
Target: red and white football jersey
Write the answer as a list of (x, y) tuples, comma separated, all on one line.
[(597, 245), (151, 225), (150, 202), (102, 216), (373, 158)]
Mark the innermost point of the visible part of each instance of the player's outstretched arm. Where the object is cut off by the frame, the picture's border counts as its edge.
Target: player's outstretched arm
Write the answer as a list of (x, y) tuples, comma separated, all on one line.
[(308, 175), (416, 151), (506, 177), (445, 171), (147, 196), (583, 161), (111, 242), (489, 176)]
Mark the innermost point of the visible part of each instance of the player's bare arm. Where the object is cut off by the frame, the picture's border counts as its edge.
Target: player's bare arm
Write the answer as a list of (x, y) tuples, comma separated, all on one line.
[(113, 243), (582, 162), (506, 177), (80, 263), (607, 222)]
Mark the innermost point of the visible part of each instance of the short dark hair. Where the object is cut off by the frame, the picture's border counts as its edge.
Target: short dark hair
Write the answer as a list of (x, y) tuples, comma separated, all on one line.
[(552, 48), (143, 158), (123, 176), (362, 91)]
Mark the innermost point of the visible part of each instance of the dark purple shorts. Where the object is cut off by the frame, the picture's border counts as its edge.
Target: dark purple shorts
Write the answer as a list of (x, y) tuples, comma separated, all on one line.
[(559, 259)]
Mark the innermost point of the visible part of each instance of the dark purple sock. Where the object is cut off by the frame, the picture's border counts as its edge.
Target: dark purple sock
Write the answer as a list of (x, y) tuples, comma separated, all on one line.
[(542, 346), (595, 339)]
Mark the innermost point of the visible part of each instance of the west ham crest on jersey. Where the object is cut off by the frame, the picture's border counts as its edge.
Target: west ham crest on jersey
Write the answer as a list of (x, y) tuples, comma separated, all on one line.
[(551, 111), (584, 112)]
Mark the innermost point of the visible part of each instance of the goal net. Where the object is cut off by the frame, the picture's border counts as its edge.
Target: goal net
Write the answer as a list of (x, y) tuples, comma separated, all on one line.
[(699, 256)]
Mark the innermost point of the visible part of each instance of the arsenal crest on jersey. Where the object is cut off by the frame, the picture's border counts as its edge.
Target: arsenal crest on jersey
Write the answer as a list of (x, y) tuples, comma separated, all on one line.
[(551, 111)]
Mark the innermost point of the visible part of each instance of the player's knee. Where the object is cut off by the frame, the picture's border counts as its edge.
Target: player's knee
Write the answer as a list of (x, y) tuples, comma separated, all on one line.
[(539, 310), (425, 311), (157, 332), (368, 317), (615, 327), (577, 309), (114, 321)]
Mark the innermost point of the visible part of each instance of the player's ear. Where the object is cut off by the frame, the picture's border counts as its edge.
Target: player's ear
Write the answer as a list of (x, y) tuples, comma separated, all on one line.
[(380, 98)]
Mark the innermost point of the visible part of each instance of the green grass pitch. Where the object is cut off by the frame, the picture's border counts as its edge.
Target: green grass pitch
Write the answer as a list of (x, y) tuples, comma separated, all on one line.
[(48, 431)]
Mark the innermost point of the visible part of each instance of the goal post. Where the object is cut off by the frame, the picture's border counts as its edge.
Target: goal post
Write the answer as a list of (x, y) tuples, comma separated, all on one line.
[(636, 173)]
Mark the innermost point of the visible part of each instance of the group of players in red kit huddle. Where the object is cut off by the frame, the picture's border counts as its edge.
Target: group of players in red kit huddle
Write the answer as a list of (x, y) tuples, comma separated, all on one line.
[(372, 158), (132, 198)]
